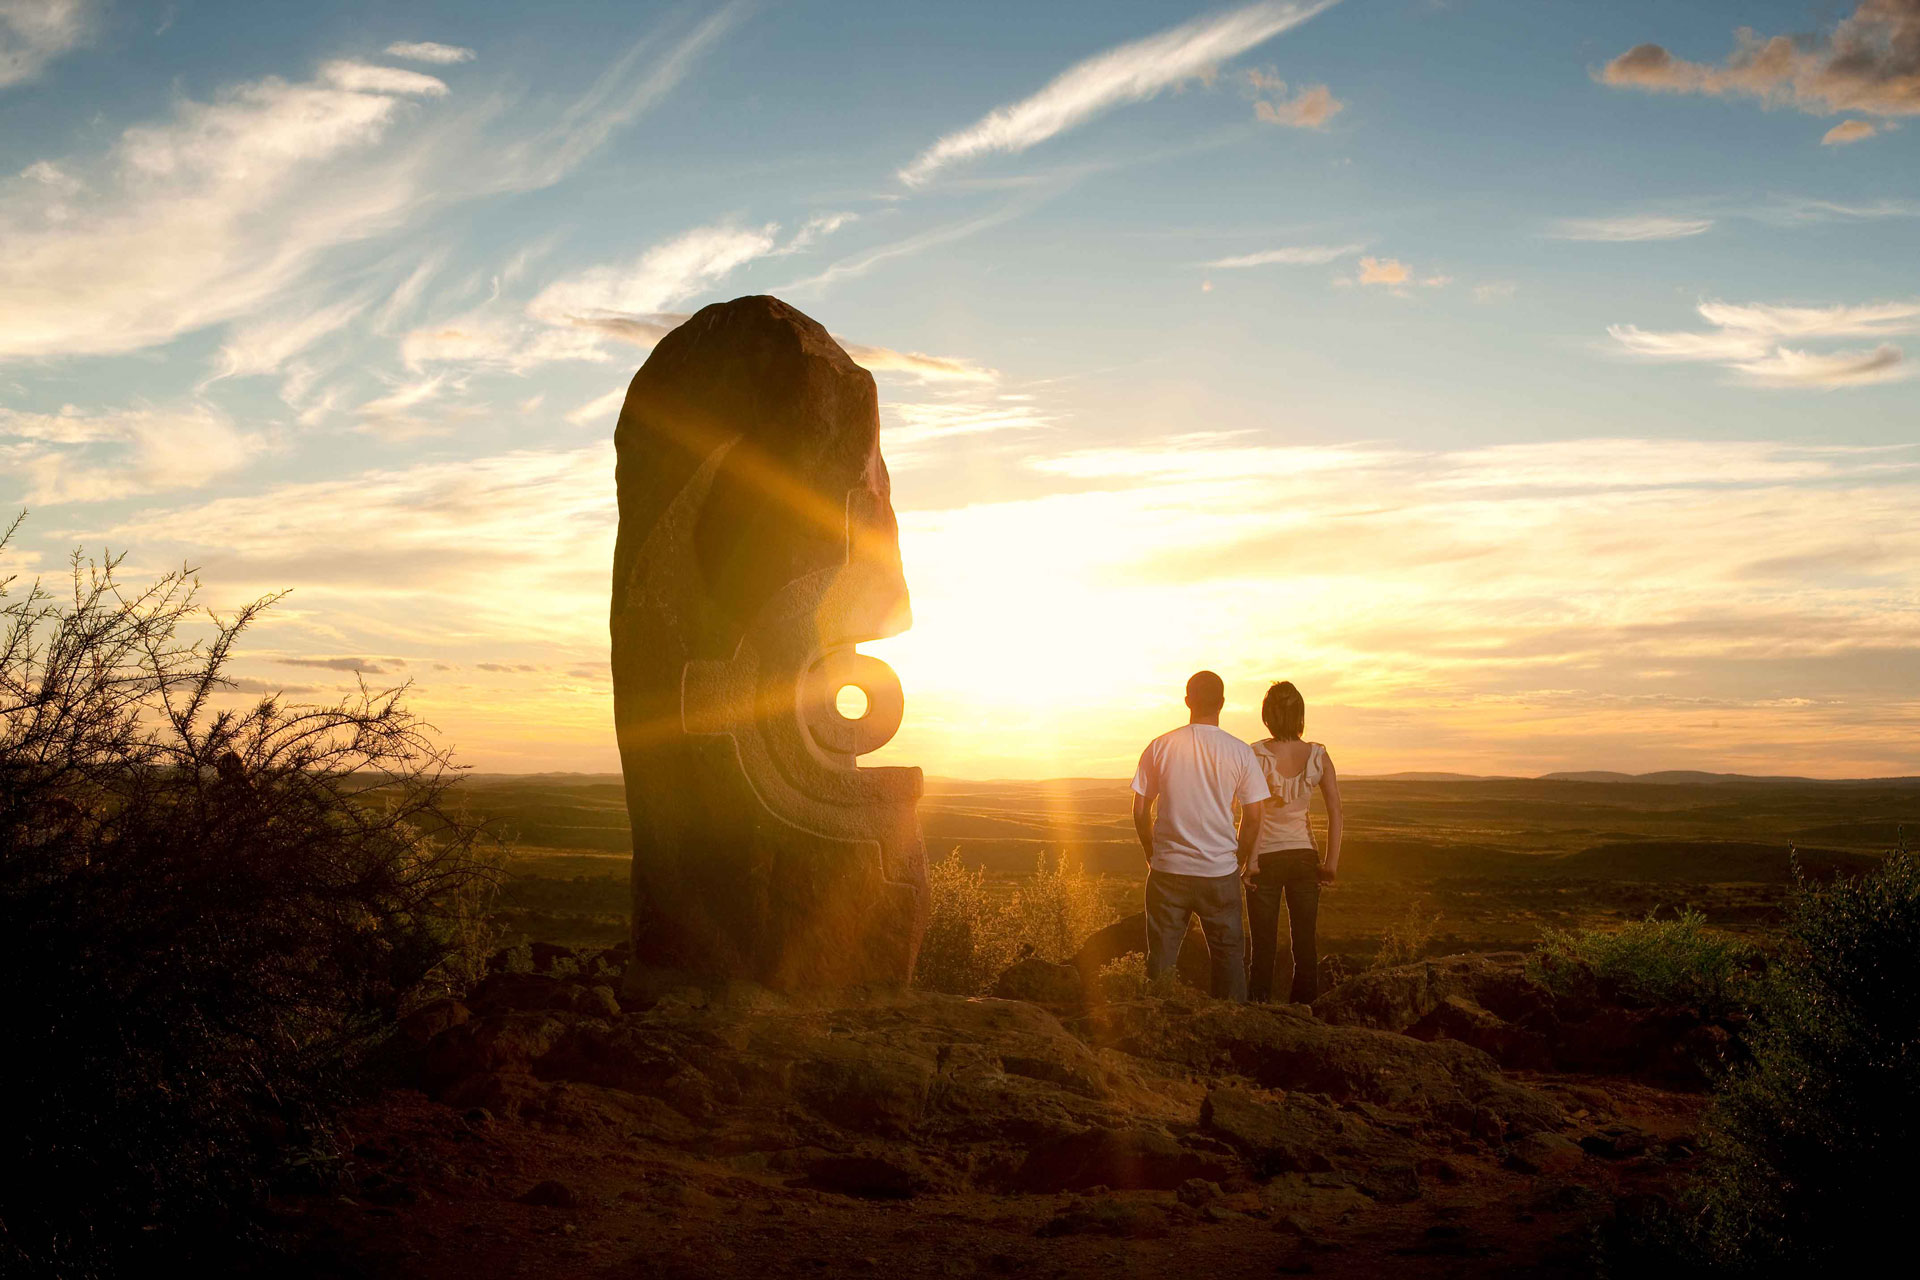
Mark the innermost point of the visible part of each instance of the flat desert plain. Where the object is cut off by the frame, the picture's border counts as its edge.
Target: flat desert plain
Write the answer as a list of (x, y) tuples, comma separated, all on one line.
[(1486, 863)]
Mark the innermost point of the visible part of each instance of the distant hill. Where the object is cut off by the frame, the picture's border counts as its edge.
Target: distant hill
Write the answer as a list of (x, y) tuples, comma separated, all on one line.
[(1696, 778), (1419, 776)]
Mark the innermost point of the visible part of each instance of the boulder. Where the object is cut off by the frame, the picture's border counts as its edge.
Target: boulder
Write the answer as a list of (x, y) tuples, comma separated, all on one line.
[(757, 547), (1288, 1134), (864, 1087), (1396, 998)]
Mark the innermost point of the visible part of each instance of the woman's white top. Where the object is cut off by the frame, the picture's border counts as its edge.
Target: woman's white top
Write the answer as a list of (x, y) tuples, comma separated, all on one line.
[(1285, 824)]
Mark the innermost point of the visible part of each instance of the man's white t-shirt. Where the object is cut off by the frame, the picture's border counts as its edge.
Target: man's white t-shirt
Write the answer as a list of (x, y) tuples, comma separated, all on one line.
[(1196, 773)]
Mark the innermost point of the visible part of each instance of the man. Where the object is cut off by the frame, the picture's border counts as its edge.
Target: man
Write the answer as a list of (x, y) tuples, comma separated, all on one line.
[(1183, 797)]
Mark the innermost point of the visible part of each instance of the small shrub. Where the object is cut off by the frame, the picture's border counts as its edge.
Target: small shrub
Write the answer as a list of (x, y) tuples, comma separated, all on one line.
[(965, 944), (1809, 1150), (1655, 962), (1408, 939), (973, 935), (1057, 907), (1125, 978)]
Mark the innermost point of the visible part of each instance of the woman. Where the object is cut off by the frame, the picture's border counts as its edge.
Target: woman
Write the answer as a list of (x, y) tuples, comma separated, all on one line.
[(1284, 862)]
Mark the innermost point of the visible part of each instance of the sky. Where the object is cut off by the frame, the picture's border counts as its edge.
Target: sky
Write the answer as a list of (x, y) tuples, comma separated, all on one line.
[(1532, 382)]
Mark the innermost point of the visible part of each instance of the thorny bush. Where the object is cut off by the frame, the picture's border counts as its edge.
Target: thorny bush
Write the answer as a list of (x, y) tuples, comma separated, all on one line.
[(211, 914)]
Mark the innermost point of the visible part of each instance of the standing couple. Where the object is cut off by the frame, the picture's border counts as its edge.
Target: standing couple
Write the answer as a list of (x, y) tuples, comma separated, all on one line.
[(1183, 798)]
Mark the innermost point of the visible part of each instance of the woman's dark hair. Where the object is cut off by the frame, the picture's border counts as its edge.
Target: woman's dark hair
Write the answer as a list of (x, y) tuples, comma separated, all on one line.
[(1284, 711)]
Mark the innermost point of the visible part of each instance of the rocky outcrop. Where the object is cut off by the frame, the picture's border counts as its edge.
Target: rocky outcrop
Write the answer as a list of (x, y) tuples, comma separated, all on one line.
[(757, 547), (1493, 1003), (896, 1094)]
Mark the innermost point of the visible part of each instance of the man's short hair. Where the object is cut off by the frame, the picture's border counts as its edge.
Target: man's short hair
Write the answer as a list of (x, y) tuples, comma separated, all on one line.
[(1206, 691)]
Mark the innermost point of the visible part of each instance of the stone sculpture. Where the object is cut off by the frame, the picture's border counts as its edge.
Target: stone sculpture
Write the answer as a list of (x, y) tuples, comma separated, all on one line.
[(757, 548)]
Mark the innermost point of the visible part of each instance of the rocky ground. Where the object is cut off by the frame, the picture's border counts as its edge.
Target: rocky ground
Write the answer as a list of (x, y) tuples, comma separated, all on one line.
[(1445, 1118)]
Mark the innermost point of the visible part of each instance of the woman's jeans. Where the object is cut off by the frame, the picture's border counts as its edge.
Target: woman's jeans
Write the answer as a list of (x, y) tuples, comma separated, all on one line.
[(1294, 873), (1172, 902)]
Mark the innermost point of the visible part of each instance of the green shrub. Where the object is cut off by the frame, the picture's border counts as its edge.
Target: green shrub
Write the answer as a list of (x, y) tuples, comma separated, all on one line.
[(1809, 1150), (1655, 962), (973, 934), (208, 920)]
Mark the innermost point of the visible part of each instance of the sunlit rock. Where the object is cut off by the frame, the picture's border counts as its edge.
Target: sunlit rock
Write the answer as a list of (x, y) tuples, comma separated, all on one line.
[(757, 548)]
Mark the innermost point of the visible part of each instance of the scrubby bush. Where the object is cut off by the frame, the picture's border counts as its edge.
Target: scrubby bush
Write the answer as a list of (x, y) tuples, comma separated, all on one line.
[(974, 934), (1656, 962), (1809, 1150), (1407, 939), (208, 919), (1057, 907)]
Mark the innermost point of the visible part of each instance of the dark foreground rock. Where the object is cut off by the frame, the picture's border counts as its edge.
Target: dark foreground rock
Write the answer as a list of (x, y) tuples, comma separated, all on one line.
[(896, 1094), (1493, 1003), (725, 1131)]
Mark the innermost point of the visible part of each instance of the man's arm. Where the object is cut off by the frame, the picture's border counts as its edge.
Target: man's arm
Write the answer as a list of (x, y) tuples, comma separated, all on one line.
[(1143, 823), (1251, 815)]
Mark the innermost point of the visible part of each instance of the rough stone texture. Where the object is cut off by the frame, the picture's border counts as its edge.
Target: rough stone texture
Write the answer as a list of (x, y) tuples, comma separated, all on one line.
[(1492, 1003), (757, 547), (1395, 999)]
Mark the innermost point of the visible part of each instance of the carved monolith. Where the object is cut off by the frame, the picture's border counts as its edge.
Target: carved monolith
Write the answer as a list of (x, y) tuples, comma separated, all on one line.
[(757, 548)]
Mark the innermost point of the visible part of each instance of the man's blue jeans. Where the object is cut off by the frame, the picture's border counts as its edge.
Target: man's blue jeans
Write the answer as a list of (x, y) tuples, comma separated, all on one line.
[(1172, 901)]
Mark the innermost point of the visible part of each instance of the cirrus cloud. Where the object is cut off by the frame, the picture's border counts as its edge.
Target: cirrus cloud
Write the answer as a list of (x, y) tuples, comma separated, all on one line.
[(1749, 340), (428, 51), (1129, 73)]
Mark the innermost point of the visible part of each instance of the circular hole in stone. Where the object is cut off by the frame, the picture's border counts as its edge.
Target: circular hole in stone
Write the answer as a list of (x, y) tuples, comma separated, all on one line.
[(851, 702)]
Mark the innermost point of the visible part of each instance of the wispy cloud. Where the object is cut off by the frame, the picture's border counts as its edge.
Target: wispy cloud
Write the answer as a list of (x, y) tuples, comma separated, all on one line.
[(263, 344), (1305, 255), (230, 203), (1630, 227), (661, 276), (600, 410), (1129, 73), (1848, 131), (428, 51), (858, 264), (1784, 367), (363, 666), (79, 456), (1842, 321), (624, 92), (917, 364), (1870, 62), (35, 32), (1748, 340), (915, 435)]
